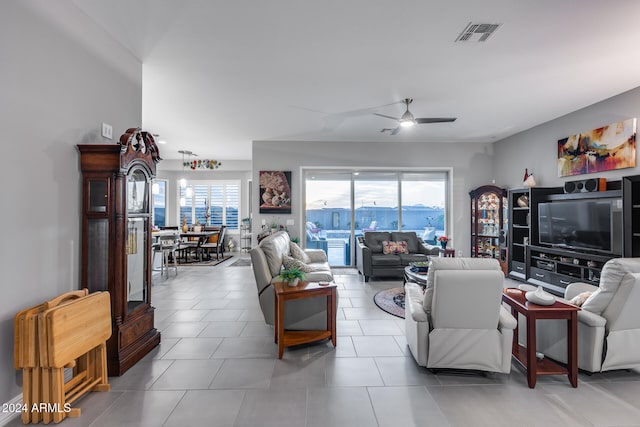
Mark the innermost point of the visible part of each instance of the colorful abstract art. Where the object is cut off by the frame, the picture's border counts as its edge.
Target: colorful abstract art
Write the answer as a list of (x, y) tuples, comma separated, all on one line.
[(606, 148)]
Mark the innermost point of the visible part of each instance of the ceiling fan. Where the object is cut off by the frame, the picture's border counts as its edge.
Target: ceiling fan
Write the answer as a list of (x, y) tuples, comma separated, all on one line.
[(407, 119)]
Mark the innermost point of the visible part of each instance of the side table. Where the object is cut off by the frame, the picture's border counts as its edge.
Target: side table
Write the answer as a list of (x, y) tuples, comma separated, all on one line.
[(449, 253), (284, 292), (527, 356)]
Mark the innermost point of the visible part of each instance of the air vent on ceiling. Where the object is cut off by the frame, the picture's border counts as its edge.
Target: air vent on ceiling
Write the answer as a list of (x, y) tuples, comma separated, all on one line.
[(475, 32)]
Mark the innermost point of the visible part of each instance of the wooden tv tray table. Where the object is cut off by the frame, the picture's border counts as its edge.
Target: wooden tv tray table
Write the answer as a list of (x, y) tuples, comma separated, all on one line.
[(284, 292), (527, 356)]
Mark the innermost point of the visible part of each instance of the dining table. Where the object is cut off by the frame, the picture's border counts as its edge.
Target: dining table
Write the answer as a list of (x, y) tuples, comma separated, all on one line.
[(200, 237)]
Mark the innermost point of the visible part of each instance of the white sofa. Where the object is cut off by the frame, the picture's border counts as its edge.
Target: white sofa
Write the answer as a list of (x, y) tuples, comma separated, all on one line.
[(459, 321), (266, 258), (608, 324)]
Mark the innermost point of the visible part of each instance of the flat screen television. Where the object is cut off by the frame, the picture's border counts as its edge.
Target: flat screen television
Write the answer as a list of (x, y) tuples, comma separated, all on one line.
[(587, 225)]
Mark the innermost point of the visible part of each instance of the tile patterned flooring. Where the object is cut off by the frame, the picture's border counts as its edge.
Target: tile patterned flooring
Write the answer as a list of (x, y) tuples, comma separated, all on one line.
[(217, 366)]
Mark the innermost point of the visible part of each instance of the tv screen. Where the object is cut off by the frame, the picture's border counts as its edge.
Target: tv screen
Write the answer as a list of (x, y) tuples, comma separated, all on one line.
[(592, 225)]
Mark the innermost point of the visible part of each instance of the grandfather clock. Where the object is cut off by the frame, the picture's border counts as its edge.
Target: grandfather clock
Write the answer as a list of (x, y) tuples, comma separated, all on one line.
[(116, 240)]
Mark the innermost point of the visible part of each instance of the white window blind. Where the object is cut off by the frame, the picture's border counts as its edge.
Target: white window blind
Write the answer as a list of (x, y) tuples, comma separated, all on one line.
[(220, 198)]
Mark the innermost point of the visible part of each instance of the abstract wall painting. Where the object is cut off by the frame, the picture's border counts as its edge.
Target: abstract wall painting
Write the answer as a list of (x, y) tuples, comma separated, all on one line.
[(606, 148), (275, 192)]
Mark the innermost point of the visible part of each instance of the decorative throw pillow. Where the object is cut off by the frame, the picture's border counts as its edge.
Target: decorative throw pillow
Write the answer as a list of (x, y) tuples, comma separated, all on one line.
[(297, 253), (290, 262), (580, 298), (388, 247), (394, 247)]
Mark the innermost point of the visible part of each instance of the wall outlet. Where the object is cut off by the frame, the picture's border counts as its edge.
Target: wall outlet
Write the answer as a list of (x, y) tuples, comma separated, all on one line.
[(107, 131)]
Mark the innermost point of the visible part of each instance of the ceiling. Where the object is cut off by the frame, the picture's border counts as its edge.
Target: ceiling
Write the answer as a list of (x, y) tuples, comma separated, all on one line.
[(220, 74)]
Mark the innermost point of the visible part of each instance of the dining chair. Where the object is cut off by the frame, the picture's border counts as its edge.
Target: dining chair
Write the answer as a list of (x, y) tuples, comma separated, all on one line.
[(167, 247), (216, 243)]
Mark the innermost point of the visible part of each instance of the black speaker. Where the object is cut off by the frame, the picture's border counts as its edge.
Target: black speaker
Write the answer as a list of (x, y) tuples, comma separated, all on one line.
[(585, 185), (502, 239)]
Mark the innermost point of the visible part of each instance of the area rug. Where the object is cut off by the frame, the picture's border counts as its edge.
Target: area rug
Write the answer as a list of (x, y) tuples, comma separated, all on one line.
[(242, 262), (205, 263), (391, 301)]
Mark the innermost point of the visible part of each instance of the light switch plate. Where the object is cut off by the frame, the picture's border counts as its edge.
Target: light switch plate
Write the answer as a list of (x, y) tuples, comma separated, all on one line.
[(290, 222), (107, 131)]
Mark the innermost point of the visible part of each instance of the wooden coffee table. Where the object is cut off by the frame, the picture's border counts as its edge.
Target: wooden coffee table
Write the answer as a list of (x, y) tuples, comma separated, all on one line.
[(284, 292), (527, 356)]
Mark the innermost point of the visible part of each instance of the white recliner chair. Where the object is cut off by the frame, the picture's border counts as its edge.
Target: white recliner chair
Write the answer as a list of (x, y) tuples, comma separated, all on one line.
[(459, 321), (608, 324)]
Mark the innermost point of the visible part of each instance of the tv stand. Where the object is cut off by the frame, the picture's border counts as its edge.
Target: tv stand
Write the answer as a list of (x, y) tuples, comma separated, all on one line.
[(554, 269)]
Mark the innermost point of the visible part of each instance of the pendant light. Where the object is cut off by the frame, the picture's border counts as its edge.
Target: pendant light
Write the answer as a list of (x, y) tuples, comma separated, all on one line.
[(188, 191)]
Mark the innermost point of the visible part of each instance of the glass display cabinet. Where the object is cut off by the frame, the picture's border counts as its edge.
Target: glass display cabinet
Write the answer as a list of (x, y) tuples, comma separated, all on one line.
[(489, 223), (116, 240)]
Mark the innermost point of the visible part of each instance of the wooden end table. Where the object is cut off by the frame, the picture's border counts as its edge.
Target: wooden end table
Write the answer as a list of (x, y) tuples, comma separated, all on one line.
[(284, 292), (527, 356)]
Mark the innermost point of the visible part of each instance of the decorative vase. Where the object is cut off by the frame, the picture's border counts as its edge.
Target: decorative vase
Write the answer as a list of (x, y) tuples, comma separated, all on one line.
[(540, 297), (293, 282), (184, 225), (444, 245), (267, 196), (197, 228), (523, 201)]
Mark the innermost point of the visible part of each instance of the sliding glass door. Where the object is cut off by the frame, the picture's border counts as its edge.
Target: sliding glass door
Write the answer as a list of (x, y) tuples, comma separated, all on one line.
[(342, 205), (328, 215), (376, 198)]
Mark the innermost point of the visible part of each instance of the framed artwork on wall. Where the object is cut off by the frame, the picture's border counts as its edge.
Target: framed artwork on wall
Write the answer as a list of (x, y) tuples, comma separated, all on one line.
[(275, 192), (607, 148)]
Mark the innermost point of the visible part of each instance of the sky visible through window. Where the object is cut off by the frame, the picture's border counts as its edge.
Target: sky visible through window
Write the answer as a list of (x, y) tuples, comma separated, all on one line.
[(336, 194)]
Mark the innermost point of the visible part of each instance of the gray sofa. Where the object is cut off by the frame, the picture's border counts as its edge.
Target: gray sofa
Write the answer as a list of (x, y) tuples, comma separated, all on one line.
[(371, 261), (266, 258)]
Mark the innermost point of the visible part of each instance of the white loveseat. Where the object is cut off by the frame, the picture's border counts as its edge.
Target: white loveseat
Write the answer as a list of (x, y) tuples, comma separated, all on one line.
[(459, 321), (266, 258)]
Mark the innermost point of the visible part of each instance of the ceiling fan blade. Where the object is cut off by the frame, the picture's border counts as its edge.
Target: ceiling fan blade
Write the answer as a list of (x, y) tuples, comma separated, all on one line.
[(395, 131), (387, 117), (435, 120)]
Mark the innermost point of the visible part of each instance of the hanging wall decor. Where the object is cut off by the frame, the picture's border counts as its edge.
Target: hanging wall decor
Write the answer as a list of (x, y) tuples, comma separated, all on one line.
[(202, 164), (275, 192), (606, 148)]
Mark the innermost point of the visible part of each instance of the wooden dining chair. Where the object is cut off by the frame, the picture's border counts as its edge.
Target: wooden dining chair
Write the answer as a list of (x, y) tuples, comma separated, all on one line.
[(215, 243)]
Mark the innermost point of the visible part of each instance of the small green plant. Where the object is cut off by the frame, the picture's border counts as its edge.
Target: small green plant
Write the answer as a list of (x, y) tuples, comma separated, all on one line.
[(290, 274)]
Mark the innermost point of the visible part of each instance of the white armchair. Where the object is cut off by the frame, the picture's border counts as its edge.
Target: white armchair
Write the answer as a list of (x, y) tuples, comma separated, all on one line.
[(608, 324), (459, 321)]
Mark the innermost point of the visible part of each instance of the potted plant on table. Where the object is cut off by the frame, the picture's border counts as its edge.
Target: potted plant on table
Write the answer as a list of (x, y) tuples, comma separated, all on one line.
[(292, 276)]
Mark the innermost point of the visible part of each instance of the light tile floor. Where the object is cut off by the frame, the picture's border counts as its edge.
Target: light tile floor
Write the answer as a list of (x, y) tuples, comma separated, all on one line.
[(217, 366)]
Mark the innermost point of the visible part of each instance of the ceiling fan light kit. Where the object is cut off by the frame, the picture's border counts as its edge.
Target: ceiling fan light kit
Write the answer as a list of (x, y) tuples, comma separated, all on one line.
[(407, 119)]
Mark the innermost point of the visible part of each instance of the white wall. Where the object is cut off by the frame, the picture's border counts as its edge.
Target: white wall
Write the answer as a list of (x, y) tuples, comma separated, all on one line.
[(471, 166), (536, 148), (61, 78)]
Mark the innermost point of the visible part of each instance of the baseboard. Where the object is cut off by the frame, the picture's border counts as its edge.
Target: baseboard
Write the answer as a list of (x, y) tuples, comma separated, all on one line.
[(5, 414)]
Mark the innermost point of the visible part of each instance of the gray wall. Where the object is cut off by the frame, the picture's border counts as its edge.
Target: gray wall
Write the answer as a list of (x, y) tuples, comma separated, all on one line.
[(61, 78), (471, 166), (536, 148)]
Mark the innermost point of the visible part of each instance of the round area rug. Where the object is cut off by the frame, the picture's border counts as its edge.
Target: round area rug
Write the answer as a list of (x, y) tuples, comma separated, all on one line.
[(391, 301)]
